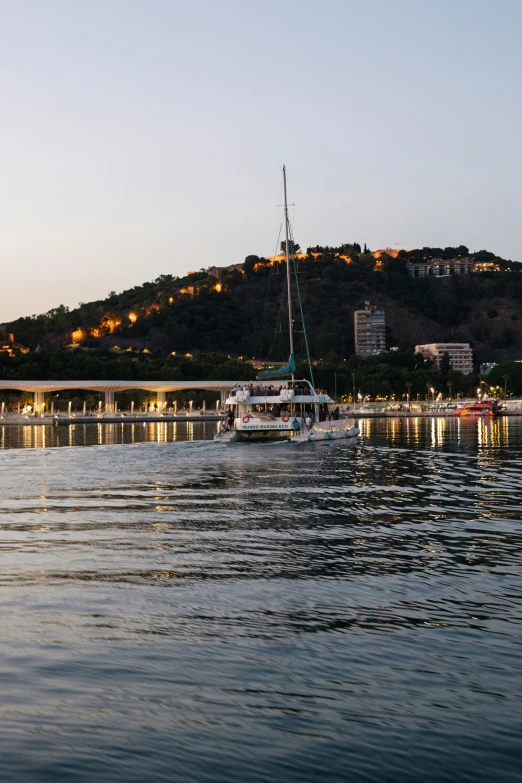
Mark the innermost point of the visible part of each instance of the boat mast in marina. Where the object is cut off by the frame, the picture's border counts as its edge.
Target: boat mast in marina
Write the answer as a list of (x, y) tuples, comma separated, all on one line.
[(288, 277)]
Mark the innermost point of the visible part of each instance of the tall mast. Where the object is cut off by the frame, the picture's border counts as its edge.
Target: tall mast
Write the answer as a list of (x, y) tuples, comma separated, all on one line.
[(287, 254)]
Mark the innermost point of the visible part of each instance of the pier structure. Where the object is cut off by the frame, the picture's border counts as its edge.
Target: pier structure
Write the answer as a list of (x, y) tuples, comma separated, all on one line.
[(110, 388)]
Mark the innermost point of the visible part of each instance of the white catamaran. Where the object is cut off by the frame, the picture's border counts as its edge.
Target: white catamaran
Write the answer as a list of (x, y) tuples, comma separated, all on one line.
[(261, 410)]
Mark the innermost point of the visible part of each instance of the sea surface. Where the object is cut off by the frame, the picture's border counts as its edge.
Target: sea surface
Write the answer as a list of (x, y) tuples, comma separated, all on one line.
[(174, 609)]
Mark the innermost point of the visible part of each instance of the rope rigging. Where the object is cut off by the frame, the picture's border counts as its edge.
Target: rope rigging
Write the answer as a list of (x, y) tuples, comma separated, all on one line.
[(278, 331)]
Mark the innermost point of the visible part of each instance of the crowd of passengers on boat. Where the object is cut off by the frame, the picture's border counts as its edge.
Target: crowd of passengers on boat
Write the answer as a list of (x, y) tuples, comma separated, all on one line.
[(300, 389), (290, 411)]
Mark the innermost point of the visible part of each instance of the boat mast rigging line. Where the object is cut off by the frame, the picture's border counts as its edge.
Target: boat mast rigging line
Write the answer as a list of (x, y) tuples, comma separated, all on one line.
[(303, 325), (287, 254), (279, 327), (291, 264), (259, 350), (299, 297)]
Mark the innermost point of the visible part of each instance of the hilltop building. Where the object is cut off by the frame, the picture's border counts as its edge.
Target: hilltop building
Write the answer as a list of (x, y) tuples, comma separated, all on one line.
[(219, 271), (440, 267), (7, 343), (370, 331), (460, 355)]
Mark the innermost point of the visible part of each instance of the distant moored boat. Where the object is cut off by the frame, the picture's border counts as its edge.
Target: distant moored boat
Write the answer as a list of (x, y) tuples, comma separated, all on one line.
[(484, 408)]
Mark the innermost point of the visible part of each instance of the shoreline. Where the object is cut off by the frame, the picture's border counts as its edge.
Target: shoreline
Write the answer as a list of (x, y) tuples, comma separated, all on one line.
[(423, 415), (27, 421)]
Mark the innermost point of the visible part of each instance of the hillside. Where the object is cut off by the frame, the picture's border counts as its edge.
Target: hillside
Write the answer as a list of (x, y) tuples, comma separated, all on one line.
[(236, 310)]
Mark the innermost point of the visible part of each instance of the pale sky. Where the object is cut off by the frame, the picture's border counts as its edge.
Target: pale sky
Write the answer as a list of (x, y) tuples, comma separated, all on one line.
[(145, 138)]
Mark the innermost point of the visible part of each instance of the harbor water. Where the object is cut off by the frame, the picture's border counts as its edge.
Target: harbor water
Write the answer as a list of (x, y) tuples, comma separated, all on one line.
[(175, 609)]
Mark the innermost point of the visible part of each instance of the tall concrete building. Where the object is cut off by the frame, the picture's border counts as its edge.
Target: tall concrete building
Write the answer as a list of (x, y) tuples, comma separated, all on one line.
[(370, 331), (460, 354)]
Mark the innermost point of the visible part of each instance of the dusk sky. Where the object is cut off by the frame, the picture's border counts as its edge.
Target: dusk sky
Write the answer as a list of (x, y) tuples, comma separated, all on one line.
[(146, 138)]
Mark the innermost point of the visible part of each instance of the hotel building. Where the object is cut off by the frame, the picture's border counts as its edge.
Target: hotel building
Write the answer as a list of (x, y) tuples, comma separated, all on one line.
[(370, 331), (460, 355)]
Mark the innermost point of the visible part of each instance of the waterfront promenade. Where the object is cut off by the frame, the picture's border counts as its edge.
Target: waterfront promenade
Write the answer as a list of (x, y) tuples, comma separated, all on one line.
[(108, 408), (15, 419), (425, 408), (43, 411)]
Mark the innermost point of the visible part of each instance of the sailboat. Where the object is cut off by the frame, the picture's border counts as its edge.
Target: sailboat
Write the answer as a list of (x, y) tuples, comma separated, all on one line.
[(272, 408)]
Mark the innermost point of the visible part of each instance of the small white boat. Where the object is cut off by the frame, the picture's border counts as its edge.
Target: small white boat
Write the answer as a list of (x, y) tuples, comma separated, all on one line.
[(262, 411)]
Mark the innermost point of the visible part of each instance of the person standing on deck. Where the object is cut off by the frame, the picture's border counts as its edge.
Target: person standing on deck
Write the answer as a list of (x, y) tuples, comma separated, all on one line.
[(297, 428), (230, 418)]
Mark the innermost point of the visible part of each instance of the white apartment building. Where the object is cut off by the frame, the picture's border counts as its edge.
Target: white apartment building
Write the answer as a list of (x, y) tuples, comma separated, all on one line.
[(460, 354), (370, 331)]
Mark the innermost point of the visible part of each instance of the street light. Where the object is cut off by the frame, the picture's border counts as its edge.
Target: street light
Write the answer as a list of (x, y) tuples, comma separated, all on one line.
[(505, 386), (408, 386), (449, 387)]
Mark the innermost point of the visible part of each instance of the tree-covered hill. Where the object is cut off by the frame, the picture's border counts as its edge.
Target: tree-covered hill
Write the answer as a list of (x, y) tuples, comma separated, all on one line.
[(242, 313)]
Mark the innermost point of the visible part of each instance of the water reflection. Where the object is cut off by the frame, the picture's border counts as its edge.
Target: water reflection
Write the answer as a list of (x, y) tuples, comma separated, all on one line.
[(42, 436), (480, 435), (447, 433), (199, 611)]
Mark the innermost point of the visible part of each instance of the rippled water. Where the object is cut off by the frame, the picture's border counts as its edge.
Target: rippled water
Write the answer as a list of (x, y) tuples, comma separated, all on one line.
[(192, 611)]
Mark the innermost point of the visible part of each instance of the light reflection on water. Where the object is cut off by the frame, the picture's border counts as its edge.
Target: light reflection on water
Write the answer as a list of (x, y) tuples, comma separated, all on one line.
[(444, 431), (42, 436), (179, 609), (437, 432)]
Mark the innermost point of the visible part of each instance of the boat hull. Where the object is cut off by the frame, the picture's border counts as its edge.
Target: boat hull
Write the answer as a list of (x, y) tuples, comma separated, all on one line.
[(317, 433), (476, 414), (335, 430), (258, 436), (225, 437), (479, 409), (252, 436)]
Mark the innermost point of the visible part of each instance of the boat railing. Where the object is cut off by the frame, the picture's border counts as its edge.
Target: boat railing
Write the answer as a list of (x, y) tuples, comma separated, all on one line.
[(284, 392), (241, 395), (287, 394)]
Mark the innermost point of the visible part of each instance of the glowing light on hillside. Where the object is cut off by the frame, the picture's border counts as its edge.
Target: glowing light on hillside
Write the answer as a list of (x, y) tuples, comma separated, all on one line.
[(77, 335), (133, 317), (107, 325), (218, 287)]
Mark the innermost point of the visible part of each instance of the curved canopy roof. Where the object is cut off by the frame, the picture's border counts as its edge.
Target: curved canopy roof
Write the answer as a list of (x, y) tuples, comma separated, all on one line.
[(116, 386)]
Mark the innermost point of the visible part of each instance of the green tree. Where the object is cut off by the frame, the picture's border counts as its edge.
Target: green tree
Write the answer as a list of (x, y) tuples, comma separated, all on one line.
[(445, 365), (293, 247), (249, 263)]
